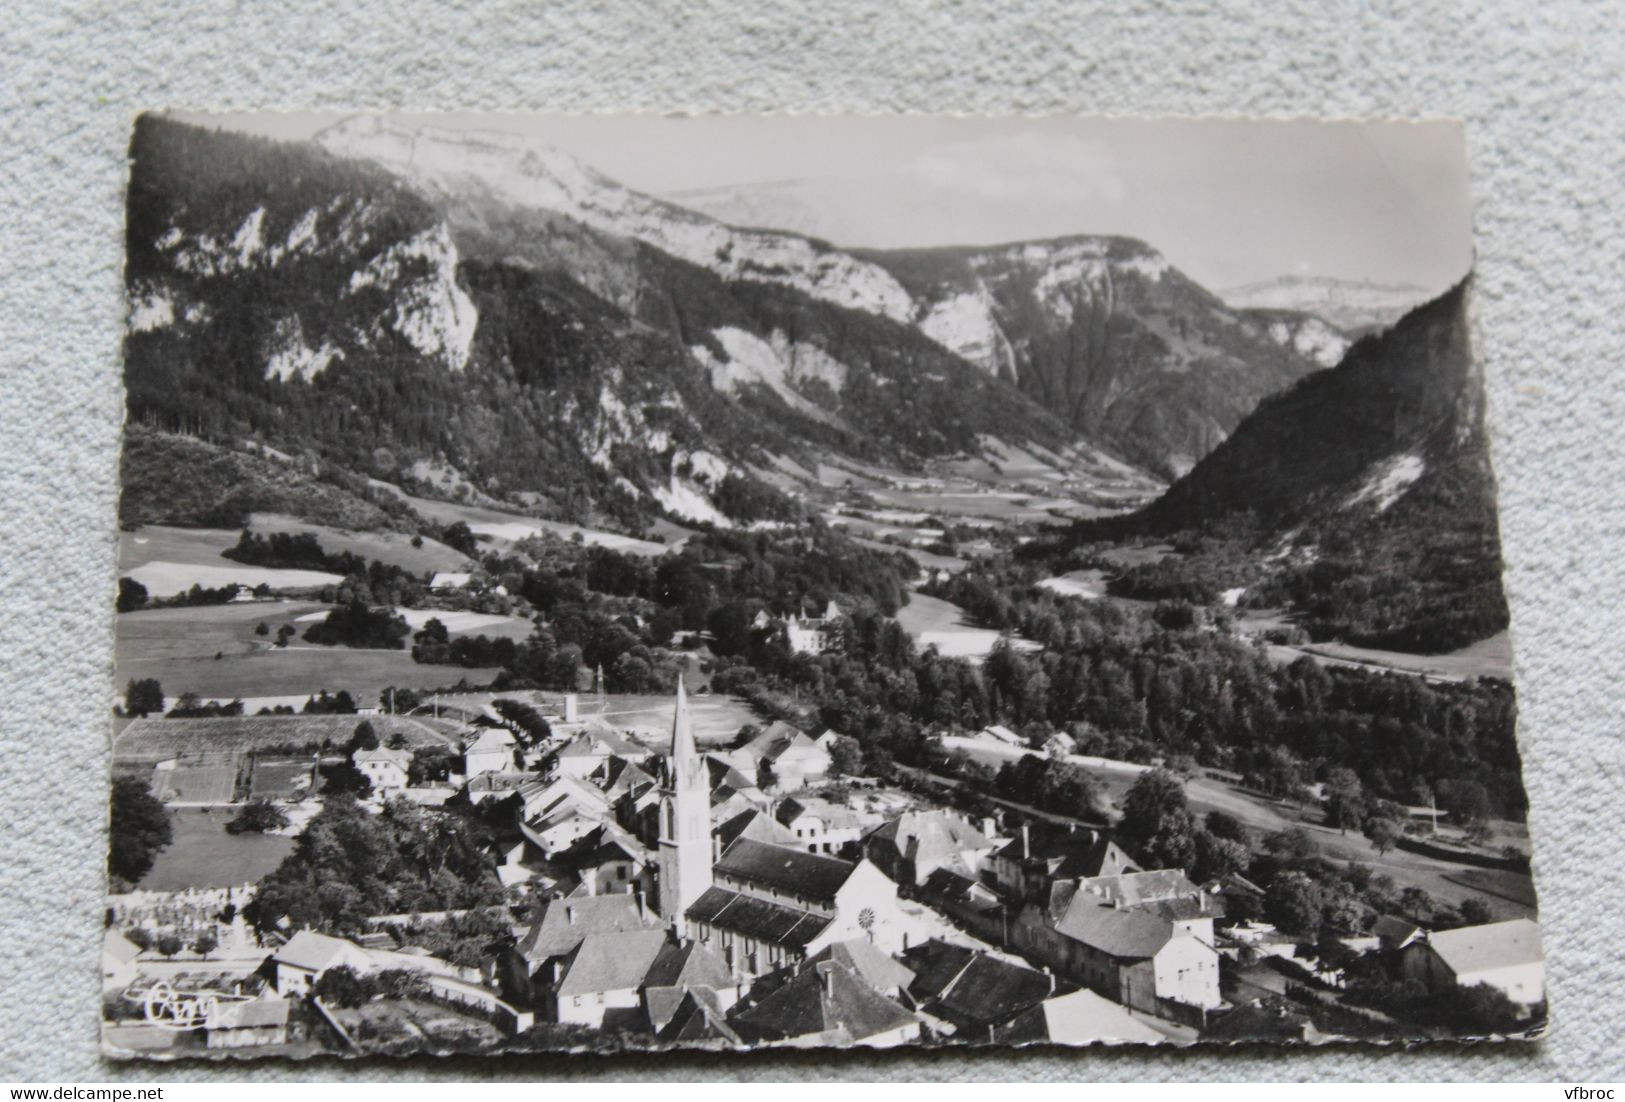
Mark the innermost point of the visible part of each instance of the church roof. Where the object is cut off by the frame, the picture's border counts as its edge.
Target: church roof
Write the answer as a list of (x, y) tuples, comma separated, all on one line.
[(808, 874), (760, 919)]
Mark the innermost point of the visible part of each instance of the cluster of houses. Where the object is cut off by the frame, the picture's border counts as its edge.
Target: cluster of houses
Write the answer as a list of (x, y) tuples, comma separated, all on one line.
[(736, 897)]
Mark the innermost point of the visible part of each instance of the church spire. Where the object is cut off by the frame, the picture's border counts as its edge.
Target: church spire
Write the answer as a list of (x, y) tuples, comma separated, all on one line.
[(683, 751), (685, 821)]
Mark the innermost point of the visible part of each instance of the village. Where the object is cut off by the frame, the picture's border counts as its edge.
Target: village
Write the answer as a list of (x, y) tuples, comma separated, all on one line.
[(664, 889)]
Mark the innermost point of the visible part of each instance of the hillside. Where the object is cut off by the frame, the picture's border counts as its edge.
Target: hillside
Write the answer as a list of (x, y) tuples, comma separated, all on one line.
[(1110, 336), (1366, 490), (437, 337)]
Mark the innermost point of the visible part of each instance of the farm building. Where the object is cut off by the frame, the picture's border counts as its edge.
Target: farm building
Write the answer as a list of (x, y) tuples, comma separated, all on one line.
[(1505, 955)]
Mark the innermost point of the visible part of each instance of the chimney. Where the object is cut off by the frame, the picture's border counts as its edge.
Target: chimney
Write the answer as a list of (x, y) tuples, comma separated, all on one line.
[(569, 916), (590, 882), (643, 906), (989, 826), (1026, 841), (826, 976), (569, 707), (716, 849)]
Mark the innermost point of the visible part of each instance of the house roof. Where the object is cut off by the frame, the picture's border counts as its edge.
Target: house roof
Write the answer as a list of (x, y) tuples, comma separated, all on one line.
[(929, 837), (1132, 933), (757, 826), (756, 918), (1493, 945), (697, 1017), (1069, 854), (599, 743), (950, 887), (1135, 888), (119, 947), (256, 1013), (1081, 1018), (780, 739), (871, 965), (314, 952), (834, 814), (564, 923), (823, 998), (611, 962), (690, 965), (808, 874), (491, 740), (402, 758), (446, 579), (973, 989), (1394, 928)]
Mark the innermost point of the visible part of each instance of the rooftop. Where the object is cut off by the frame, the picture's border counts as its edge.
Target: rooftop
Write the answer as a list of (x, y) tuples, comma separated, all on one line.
[(808, 874), (756, 918), (1474, 949), (611, 962)]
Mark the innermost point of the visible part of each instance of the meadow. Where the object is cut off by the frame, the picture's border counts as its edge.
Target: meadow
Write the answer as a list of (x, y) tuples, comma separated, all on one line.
[(203, 855), (212, 650)]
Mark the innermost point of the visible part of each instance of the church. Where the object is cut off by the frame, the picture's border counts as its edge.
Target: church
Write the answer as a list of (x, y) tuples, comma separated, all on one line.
[(759, 906)]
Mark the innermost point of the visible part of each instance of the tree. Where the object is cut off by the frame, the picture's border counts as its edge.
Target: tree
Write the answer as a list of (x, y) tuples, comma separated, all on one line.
[(143, 697), (132, 595), (365, 737), (1344, 799), (1292, 847), (1417, 904), (205, 943), (344, 987), (284, 633), (139, 828), (169, 944), (1293, 903), (1222, 824), (846, 756), (262, 628), (1157, 826), (257, 817), (1384, 834), (341, 778), (1217, 857), (766, 776), (1475, 912), (140, 937)]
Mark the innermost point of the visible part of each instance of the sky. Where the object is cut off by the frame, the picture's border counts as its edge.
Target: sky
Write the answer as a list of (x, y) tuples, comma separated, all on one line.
[(1230, 202)]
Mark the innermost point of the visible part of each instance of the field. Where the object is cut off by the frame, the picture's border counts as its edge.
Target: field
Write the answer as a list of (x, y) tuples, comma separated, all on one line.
[(172, 560), (714, 719), (149, 741), (203, 855), (934, 622), (212, 650), (394, 548), (511, 527), (1088, 584), (460, 622), (196, 784)]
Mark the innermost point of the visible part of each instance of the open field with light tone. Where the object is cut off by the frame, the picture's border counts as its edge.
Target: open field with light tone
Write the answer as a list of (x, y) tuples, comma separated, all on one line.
[(934, 622), (394, 548)]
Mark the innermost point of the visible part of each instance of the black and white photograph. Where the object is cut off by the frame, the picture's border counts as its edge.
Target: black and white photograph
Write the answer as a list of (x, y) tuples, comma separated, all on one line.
[(613, 583)]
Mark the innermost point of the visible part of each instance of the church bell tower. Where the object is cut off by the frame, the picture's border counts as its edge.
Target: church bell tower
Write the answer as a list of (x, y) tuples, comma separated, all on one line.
[(685, 822)]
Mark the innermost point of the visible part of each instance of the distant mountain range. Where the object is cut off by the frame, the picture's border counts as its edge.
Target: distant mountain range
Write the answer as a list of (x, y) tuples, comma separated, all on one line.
[(440, 308), (1354, 306)]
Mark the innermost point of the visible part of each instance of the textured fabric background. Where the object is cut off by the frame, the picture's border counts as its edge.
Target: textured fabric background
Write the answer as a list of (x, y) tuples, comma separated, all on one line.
[(1540, 90)]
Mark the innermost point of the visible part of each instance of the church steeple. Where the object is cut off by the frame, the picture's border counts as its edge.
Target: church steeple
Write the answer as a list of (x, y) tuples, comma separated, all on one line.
[(685, 821)]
